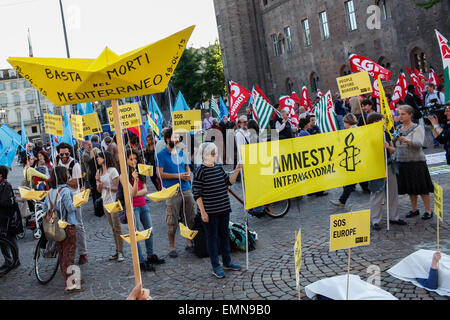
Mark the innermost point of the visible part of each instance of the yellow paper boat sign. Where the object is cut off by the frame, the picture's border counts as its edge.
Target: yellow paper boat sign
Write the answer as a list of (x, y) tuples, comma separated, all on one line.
[(186, 232), (81, 198), (113, 207), (143, 71), (140, 235), (164, 194), (62, 224), (32, 194), (145, 170)]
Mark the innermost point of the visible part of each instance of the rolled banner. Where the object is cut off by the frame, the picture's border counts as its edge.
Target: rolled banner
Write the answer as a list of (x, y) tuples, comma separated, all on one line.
[(145, 170), (187, 233), (81, 198), (164, 194), (140, 235)]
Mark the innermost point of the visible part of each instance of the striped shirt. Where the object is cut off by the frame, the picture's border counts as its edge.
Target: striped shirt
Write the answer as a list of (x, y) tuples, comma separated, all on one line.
[(210, 184)]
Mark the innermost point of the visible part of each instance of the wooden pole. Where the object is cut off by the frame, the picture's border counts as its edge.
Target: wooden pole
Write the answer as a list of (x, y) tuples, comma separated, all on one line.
[(297, 276), (348, 269), (387, 182), (126, 191)]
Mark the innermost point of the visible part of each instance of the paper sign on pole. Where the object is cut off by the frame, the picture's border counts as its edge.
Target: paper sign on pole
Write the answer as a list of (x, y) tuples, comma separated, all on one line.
[(438, 201), (81, 198), (153, 125), (298, 256), (145, 170), (349, 230), (53, 124), (129, 114), (187, 121), (143, 71), (85, 125), (32, 194), (354, 84)]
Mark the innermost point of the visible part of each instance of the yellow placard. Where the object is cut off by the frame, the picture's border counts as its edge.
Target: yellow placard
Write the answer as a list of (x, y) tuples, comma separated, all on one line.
[(153, 125), (143, 71), (32, 194), (114, 207), (85, 125), (130, 115), (53, 124), (145, 170), (298, 252), (438, 201), (354, 84), (164, 194), (349, 230), (186, 232), (291, 168), (187, 121), (385, 109), (140, 235), (81, 198)]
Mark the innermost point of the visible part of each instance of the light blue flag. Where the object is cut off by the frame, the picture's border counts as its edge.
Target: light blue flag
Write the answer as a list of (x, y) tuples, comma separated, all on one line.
[(250, 101), (157, 111), (180, 103), (5, 142), (23, 137), (11, 154), (67, 131), (12, 134), (89, 108), (80, 109), (223, 109)]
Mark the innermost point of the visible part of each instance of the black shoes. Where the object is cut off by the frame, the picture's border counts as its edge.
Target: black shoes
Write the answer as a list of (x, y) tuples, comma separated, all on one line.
[(376, 227), (427, 216), (412, 214), (147, 266), (154, 259), (399, 222)]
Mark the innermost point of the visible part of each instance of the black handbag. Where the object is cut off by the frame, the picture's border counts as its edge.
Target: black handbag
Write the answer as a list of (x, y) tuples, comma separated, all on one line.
[(98, 208)]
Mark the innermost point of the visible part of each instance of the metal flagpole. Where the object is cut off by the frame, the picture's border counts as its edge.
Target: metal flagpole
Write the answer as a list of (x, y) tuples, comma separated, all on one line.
[(64, 28)]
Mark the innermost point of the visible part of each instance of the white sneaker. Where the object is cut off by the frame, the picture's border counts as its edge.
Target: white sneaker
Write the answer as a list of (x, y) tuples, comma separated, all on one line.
[(113, 257), (120, 257), (337, 203)]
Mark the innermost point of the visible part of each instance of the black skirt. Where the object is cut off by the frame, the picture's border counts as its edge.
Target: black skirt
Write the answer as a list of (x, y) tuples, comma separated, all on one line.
[(414, 178)]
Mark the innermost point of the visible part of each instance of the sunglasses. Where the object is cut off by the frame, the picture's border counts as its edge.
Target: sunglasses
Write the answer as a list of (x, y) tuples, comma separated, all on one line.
[(66, 154)]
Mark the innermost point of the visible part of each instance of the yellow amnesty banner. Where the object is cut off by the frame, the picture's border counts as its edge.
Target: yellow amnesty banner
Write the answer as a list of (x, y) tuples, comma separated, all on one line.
[(53, 124), (153, 125), (291, 168), (385, 109), (349, 230), (187, 121), (86, 125), (130, 115), (438, 201), (146, 70), (354, 84)]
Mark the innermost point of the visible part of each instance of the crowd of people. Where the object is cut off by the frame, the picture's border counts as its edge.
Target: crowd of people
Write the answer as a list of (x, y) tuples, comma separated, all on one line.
[(67, 170)]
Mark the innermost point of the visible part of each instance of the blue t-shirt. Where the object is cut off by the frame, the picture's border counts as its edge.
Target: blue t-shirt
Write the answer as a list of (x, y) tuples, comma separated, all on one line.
[(168, 161)]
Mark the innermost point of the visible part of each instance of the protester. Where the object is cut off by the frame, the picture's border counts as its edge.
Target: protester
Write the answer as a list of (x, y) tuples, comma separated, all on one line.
[(25, 154), (414, 101), (368, 108), (133, 143), (249, 113), (303, 125), (103, 144), (43, 166), (107, 179), (96, 142), (224, 126), (172, 167), (284, 127), (431, 282), (433, 97), (74, 183), (313, 128), (87, 156), (241, 137), (60, 198), (377, 187), (112, 148), (7, 210), (442, 135), (413, 178), (339, 108), (254, 137), (138, 293), (302, 113), (92, 171), (210, 193), (160, 144), (355, 106), (207, 121), (149, 156)]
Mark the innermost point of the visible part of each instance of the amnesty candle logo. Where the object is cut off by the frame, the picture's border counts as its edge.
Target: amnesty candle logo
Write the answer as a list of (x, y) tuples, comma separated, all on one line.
[(351, 153)]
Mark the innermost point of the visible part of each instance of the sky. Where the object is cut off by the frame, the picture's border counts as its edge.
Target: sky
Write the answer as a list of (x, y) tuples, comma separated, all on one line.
[(122, 25)]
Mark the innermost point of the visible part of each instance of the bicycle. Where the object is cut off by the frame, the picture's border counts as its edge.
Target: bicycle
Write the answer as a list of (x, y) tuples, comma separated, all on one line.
[(7, 247), (28, 217)]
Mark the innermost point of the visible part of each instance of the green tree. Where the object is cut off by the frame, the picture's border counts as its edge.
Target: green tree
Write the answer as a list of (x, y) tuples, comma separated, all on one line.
[(428, 4), (213, 71)]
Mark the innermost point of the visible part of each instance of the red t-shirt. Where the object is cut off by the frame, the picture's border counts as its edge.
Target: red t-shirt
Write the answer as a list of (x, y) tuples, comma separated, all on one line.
[(138, 201)]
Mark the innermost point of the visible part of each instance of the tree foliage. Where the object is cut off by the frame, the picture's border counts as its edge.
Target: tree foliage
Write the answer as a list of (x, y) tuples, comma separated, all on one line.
[(200, 74), (428, 4)]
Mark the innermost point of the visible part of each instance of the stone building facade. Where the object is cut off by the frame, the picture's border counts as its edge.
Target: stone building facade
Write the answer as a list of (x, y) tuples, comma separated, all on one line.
[(281, 44)]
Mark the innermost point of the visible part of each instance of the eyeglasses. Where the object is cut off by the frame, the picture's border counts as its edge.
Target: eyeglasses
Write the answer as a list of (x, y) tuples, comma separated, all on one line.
[(66, 154)]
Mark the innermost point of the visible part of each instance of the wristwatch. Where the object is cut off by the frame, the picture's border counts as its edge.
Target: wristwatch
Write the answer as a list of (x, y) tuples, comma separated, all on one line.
[(436, 126)]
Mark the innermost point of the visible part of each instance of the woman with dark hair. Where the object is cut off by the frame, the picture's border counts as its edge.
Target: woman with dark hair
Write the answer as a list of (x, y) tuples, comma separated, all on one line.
[(107, 179), (60, 198), (149, 155), (141, 210), (413, 178), (253, 129), (44, 166)]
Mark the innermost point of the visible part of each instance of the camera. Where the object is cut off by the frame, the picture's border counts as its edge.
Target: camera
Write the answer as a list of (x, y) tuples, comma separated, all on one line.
[(435, 110)]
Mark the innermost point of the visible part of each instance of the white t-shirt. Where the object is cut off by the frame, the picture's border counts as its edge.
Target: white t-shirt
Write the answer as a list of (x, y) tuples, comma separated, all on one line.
[(107, 179), (76, 173)]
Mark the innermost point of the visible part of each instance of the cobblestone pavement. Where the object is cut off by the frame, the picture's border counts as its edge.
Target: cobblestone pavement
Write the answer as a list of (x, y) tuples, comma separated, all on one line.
[(271, 266)]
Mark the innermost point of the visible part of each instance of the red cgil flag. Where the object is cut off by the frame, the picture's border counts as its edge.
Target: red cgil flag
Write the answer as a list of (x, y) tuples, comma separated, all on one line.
[(361, 64), (400, 91), (305, 101), (433, 78), (238, 96)]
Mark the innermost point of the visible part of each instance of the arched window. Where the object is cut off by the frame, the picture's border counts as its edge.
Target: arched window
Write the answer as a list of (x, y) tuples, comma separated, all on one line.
[(384, 63), (289, 85), (281, 43), (419, 60), (315, 82), (345, 70), (16, 98), (3, 100)]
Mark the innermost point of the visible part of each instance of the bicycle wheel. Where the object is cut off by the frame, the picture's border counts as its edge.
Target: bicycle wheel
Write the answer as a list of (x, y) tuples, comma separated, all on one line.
[(277, 209), (45, 261), (8, 246)]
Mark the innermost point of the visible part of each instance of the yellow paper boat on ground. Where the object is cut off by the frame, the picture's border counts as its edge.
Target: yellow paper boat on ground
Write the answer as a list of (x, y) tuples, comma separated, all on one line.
[(164, 194), (32, 194), (140, 235), (81, 198), (113, 207), (187, 233), (145, 170)]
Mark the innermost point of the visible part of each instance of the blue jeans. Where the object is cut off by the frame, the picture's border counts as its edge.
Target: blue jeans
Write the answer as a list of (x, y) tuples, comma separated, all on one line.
[(217, 230), (143, 221)]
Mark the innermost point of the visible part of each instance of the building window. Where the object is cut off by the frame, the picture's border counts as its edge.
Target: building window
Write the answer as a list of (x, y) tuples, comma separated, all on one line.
[(384, 9), (12, 73), (345, 70), (275, 45), (26, 84), (2, 86), (34, 129), (3, 101), (324, 25), (384, 63), (289, 85), (315, 82), (13, 85), (265, 3), (30, 98), (16, 100), (1, 74), (419, 60), (218, 20), (281, 44), (350, 7), (287, 35), (306, 32)]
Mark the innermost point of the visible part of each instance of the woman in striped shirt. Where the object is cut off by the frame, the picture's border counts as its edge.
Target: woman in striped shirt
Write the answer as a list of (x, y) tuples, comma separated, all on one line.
[(210, 193)]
